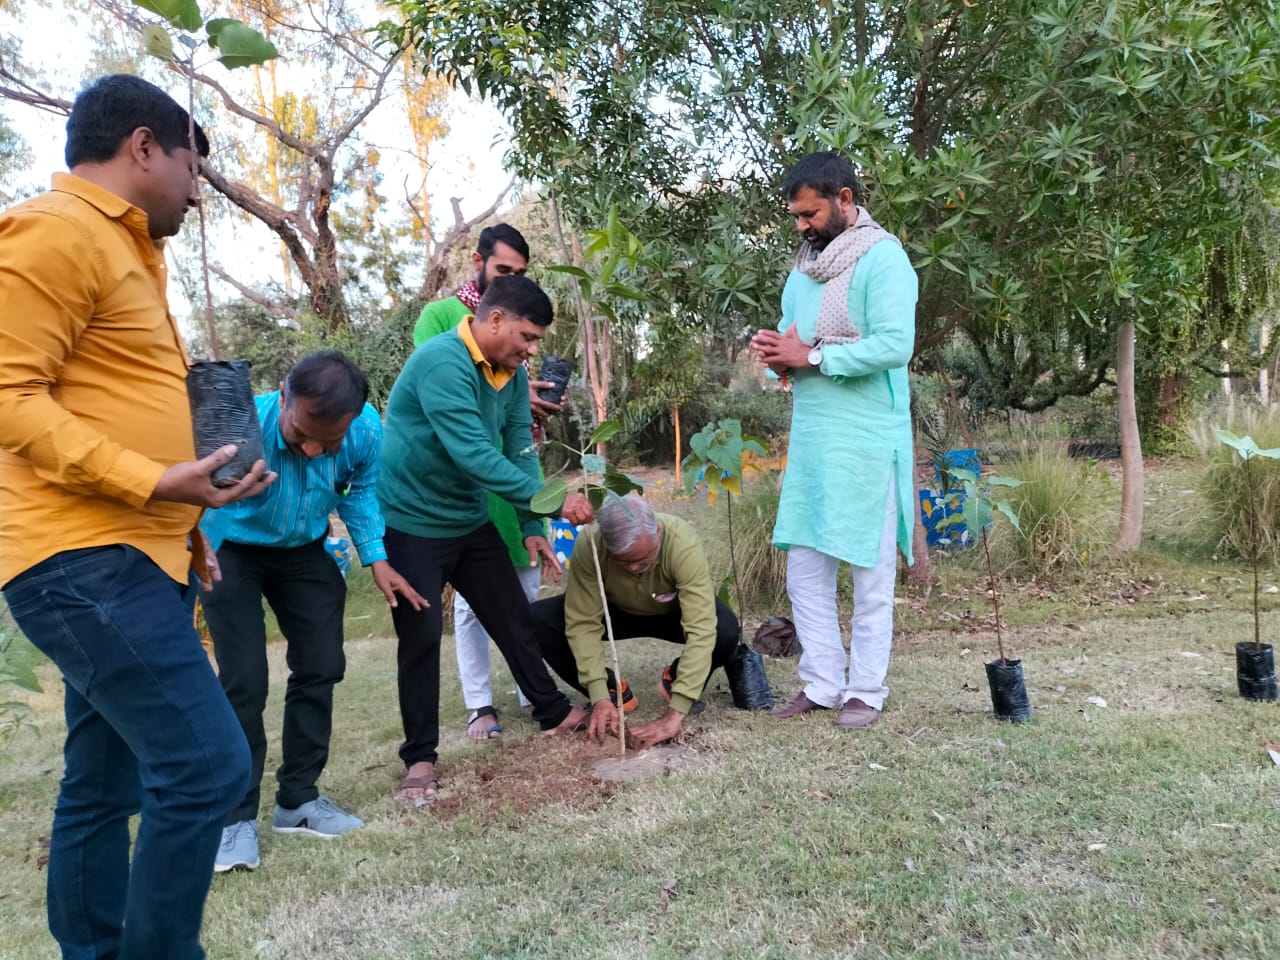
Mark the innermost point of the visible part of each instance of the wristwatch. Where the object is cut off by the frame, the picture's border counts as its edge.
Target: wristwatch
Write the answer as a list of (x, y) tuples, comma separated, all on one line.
[(815, 356)]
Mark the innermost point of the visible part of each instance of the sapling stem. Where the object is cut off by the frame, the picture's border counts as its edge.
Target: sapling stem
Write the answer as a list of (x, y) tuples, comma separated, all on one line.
[(215, 348), (995, 599), (613, 647)]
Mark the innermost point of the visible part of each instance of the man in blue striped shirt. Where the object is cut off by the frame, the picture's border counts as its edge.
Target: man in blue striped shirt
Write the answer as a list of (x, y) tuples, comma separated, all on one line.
[(323, 441)]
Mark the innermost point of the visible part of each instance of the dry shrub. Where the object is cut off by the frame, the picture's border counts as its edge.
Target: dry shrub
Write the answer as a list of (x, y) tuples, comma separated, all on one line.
[(1059, 510), (762, 567), (1234, 498)]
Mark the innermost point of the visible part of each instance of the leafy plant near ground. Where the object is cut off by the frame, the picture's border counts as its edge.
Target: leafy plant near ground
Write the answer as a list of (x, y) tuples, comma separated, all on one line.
[(715, 460), (977, 511), (1061, 525), (762, 567), (17, 669), (1243, 506), (1251, 537)]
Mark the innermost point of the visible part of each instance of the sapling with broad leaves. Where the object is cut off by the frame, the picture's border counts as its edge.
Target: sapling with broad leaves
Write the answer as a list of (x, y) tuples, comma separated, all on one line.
[(1255, 669), (599, 480), (1249, 451), (978, 507), (715, 459)]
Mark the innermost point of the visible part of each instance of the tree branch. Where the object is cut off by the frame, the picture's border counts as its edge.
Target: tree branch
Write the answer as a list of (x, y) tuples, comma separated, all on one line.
[(456, 233), (279, 221), (273, 128), (376, 98), (32, 97), (254, 296)]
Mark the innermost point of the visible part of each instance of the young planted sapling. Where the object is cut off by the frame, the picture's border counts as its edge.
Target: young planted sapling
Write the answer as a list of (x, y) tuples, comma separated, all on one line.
[(977, 510), (599, 480), (1255, 663), (716, 461)]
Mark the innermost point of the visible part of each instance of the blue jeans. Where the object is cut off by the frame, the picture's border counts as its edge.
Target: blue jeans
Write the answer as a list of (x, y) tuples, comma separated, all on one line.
[(148, 729)]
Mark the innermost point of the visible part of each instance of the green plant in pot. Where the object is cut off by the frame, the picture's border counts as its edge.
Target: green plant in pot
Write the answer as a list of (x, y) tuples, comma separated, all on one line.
[(977, 510), (599, 480), (716, 461), (1255, 662)]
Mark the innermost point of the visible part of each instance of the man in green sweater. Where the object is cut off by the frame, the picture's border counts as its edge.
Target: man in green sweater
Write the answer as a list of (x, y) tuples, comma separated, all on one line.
[(501, 252), (458, 425), (656, 579)]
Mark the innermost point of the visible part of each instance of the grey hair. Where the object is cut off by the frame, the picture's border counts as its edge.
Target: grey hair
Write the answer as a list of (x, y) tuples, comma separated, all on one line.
[(623, 521)]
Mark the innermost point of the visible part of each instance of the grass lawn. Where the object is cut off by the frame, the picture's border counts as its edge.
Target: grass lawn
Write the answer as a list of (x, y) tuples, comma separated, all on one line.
[(1142, 828)]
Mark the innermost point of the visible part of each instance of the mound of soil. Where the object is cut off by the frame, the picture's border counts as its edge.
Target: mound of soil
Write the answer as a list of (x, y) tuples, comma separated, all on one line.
[(520, 776)]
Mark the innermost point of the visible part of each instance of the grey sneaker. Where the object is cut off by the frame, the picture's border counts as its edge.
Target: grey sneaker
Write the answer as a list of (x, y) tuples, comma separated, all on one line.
[(320, 817), (239, 848)]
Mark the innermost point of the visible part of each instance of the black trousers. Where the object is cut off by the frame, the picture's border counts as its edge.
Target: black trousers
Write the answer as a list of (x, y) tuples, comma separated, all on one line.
[(479, 567), (548, 623), (308, 595)]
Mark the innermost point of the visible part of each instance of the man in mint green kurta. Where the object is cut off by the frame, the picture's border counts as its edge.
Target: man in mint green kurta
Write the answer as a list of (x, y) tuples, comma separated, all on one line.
[(501, 252), (847, 332)]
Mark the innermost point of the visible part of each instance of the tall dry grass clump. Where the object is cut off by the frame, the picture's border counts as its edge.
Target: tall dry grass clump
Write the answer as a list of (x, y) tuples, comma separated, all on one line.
[(1060, 514), (1230, 495), (762, 567)]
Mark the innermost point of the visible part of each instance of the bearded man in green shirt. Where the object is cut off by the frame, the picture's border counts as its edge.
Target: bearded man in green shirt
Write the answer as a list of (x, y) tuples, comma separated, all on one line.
[(656, 579)]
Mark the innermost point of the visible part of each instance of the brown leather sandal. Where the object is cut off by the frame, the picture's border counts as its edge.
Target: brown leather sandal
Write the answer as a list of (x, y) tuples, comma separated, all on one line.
[(428, 785)]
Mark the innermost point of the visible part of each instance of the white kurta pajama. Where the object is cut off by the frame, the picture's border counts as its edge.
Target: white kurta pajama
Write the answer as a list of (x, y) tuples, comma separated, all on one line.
[(847, 490)]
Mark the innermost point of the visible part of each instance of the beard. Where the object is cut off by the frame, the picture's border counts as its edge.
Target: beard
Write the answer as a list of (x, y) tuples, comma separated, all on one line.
[(482, 281), (837, 223)]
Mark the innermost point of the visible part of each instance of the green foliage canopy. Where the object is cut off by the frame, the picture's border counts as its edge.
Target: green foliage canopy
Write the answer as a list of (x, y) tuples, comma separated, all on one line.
[(1053, 166)]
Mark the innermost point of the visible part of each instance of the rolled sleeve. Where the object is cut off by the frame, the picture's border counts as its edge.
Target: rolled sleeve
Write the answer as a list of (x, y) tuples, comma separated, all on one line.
[(359, 510)]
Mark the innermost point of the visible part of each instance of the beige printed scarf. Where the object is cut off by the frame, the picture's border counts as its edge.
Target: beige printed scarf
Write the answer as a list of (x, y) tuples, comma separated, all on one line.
[(834, 267)]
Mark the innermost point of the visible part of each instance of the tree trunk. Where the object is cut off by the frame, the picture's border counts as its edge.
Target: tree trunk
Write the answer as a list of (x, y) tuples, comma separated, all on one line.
[(1172, 401), (1132, 484), (597, 342), (922, 570), (1264, 382)]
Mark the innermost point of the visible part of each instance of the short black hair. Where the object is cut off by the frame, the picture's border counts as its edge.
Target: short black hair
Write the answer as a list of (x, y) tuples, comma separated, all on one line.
[(490, 237), (106, 113), (334, 384), (518, 296), (826, 173)]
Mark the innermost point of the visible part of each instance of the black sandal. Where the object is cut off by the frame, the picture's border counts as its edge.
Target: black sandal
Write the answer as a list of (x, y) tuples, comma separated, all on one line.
[(495, 732)]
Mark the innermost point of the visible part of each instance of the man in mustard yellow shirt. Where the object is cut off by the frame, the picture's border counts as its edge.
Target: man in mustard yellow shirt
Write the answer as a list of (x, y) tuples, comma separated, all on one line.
[(99, 495)]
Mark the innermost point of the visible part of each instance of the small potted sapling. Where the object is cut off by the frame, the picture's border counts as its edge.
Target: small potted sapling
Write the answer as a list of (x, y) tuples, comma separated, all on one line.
[(977, 509), (1255, 662)]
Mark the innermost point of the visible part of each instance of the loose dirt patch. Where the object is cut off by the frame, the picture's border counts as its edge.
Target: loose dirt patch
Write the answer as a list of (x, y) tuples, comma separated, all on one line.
[(659, 761), (520, 776)]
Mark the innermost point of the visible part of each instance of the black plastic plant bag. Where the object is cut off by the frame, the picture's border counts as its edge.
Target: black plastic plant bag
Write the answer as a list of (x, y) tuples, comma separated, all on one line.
[(556, 370), (1256, 671), (1008, 690), (747, 682), (222, 412)]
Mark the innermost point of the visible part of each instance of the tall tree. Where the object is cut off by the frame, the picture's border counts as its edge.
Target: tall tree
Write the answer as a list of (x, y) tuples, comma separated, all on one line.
[(292, 149)]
